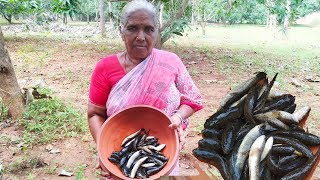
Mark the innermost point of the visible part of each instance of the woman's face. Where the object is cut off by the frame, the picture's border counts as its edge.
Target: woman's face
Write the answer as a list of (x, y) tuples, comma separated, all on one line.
[(139, 34)]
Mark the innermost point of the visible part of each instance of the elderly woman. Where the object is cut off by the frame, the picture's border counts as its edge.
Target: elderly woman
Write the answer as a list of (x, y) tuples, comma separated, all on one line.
[(141, 74)]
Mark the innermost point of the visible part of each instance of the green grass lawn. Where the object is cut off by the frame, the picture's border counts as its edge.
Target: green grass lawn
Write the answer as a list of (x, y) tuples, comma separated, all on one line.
[(262, 48)]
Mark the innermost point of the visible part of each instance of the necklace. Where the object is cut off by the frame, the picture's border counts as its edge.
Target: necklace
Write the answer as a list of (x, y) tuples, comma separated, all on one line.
[(127, 58), (128, 63)]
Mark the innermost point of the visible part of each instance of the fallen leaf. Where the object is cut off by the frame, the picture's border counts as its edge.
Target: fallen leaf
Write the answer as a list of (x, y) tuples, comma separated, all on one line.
[(208, 81), (65, 173), (54, 151), (295, 82), (192, 62)]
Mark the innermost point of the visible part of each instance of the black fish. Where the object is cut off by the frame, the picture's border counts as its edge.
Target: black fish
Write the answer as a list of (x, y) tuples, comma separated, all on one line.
[(306, 138), (223, 117), (211, 133), (302, 172), (210, 144), (263, 98), (239, 91), (281, 103), (229, 137), (291, 108), (295, 143), (283, 149), (214, 159), (275, 168), (249, 104), (287, 159)]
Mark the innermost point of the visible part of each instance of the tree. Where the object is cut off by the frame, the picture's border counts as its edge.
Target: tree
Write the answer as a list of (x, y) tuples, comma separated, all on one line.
[(110, 12), (102, 19), (65, 7), (10, 92), (287, 16), (11, 8)]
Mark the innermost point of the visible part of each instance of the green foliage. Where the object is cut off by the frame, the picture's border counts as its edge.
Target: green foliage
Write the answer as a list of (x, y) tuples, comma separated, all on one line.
[(176, 28), (242, 11), (49, 119), (87, 10), (41, 11), (3, 111), (12, 8), (65, 7), (80, 172), (250, 12), (115, 14), (308, 6)]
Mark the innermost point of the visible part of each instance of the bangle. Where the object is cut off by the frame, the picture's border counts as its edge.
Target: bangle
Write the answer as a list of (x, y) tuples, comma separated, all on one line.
[(177, 112)]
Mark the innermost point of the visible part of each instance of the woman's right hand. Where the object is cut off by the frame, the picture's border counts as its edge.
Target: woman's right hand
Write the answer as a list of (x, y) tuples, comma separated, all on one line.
[(176, 124), (104, 172)]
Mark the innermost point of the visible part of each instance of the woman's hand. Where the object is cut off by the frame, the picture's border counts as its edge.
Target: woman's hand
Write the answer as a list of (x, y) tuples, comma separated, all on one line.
[(176, 124), (104, 172)]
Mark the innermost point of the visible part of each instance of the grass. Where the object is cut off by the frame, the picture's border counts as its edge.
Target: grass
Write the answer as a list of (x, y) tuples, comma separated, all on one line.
[(3, 111), (48, 119), (24, 164), (256, 45), (239, 50), (79, 171), (51, 169)]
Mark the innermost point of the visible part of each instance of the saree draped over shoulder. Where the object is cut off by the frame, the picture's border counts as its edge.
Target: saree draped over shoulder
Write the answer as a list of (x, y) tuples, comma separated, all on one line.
[(161, 80)]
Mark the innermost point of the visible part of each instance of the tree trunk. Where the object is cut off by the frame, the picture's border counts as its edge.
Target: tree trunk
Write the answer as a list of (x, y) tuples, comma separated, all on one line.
[(286, 18), (65, 21), (229, 5), (161, 14), (102, 19), (10, 92), (8, 18), (272, 18), (203, 22), (110, 13), (193, 22), (97, 11), (203, 27), (88, 15)]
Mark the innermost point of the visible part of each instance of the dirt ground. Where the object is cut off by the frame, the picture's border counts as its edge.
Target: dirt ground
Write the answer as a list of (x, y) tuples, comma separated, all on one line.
[(67, 71)]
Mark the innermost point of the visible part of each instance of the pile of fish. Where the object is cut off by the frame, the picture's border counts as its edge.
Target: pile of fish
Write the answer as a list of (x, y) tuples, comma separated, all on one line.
[(140, 156), (255, 134)]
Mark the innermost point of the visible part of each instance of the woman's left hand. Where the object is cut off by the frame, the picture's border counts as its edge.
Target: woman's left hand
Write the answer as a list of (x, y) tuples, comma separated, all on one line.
[(176, 124)]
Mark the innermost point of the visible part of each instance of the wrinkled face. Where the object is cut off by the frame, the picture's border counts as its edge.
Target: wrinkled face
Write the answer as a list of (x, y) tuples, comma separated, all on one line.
[(139, 34)]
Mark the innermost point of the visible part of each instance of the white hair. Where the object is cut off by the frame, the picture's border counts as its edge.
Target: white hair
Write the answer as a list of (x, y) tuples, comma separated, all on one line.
[(136, 5)]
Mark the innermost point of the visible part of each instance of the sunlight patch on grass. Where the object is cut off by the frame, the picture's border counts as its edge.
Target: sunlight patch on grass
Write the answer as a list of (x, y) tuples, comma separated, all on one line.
[(33, 57)]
